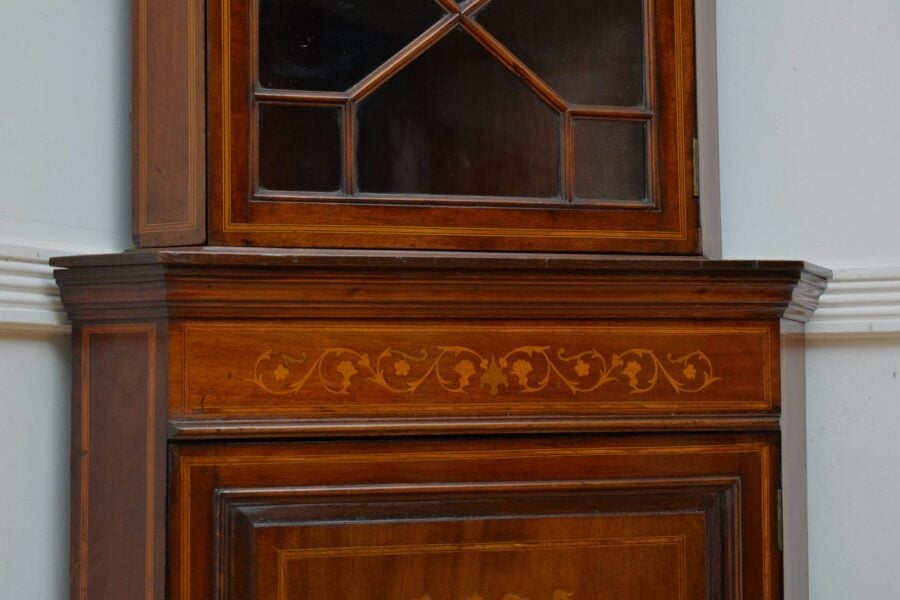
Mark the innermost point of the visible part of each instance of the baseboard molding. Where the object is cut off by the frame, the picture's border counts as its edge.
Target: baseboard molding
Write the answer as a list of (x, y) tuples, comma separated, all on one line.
[(859, 301), (29, 298)]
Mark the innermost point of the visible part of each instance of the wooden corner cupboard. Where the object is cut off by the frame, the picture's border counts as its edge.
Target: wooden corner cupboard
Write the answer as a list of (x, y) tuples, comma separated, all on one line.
[(368, 347)]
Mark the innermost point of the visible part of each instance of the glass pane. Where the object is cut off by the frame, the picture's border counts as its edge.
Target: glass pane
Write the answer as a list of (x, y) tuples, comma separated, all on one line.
[(610, 160), (589, 51), (299, 148), (456, 122), (330, 45)]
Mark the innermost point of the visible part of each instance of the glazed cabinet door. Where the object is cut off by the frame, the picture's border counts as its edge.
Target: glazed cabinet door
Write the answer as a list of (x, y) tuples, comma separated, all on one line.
[(618, 517), (486, 124)]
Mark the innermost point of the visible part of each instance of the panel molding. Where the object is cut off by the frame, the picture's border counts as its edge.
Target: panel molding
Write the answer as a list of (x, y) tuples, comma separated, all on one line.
[(859, 301), (29, 298), (100, 486), (169, 192), (244, 515)]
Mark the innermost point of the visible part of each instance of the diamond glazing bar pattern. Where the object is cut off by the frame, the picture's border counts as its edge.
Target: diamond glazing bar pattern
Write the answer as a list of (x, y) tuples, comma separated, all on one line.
[(293, 72)]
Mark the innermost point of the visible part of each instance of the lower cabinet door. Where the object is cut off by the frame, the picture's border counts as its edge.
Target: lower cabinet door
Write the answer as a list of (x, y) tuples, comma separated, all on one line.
[(615, 517)]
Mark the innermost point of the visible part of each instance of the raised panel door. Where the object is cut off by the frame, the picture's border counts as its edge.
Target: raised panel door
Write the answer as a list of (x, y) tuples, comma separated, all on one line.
[(633, 517)]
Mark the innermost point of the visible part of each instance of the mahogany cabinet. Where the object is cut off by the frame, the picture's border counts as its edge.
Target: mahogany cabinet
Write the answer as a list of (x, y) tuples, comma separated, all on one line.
[(368, 348), (350, 425)]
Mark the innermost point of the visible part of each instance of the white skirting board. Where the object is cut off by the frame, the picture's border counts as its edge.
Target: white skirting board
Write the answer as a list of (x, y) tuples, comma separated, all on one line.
[(859, 301), (29, 298)]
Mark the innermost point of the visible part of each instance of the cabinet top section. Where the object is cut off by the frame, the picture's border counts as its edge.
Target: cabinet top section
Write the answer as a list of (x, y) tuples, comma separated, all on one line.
[(488, 125), (276, 283)]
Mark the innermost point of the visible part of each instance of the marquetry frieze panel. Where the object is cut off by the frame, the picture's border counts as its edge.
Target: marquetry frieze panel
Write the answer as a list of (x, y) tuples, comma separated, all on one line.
[(387, 369)]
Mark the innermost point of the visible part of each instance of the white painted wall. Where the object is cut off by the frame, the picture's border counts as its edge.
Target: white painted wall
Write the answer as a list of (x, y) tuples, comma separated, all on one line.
[(809, 130), (810, 148), (810, 141), (64, 121), (34, 466), (853, 408), (64, 183)]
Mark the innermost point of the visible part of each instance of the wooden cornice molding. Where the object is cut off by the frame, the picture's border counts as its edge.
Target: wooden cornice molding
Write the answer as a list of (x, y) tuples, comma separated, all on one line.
[(280, 284)]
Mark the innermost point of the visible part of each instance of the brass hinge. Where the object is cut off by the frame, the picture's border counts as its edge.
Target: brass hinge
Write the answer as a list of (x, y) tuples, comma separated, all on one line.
[(696, 167), (779, 509)]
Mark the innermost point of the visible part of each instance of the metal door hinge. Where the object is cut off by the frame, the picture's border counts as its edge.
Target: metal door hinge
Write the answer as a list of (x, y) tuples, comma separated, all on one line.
[(779, 509), (696, 167)]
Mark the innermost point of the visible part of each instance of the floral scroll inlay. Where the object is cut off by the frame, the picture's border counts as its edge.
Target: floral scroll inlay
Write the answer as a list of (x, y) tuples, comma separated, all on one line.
[(582, 369), (521, 369), (463, 370)]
